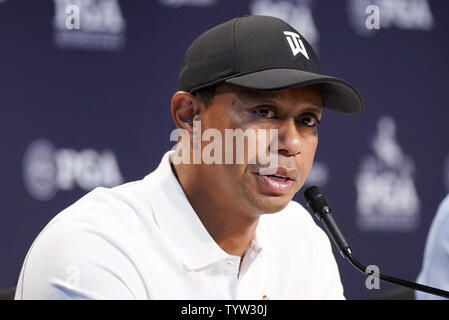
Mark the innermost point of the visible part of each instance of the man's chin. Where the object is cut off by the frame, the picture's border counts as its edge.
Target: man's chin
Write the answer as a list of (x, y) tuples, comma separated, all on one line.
[(270, 204)]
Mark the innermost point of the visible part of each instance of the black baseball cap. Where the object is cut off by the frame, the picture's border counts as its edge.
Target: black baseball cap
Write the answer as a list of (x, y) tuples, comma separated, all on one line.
[(261, 53)]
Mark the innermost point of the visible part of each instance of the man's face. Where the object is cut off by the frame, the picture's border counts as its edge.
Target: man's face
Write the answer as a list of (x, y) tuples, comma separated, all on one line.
[(294, 113)]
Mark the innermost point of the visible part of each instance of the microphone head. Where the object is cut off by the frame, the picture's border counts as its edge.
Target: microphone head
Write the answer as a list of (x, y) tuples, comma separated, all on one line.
[(316, 201)]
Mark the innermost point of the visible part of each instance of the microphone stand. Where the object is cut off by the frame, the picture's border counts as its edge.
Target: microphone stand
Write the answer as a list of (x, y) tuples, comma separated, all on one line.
[(319, 205), (396, 281)]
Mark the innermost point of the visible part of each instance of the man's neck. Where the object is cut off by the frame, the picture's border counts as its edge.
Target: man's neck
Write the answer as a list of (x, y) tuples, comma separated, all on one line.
[(232, 230), (232, 233)]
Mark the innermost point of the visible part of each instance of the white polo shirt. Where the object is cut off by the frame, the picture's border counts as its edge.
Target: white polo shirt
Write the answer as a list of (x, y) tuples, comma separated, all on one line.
[(143, 240)]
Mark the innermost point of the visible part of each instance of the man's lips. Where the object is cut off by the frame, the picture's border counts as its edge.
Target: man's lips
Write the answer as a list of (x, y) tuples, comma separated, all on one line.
[(279, 182), (282, 174)]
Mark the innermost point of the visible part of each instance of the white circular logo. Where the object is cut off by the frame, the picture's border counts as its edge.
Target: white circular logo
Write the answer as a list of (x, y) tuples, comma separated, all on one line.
[(39, 170)]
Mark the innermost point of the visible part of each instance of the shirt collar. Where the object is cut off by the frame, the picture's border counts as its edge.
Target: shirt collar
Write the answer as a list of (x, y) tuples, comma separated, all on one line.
[(179, 222), (260, 243)]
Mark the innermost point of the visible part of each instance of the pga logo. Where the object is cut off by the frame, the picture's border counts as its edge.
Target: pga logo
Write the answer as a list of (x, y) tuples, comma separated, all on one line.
[(47, 170)]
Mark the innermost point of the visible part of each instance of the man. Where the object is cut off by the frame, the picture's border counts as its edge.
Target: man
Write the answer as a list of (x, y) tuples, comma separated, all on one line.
[(201, 229), (434, 270)]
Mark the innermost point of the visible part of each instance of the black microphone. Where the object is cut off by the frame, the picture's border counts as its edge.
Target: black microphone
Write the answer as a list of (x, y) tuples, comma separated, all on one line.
[(319, 205)]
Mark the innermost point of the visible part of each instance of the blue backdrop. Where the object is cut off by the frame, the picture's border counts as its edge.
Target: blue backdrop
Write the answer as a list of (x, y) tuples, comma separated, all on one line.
[(90, 106)]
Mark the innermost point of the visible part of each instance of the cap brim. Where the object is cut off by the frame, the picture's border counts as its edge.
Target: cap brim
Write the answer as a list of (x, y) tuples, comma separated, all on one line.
[(339, 94)]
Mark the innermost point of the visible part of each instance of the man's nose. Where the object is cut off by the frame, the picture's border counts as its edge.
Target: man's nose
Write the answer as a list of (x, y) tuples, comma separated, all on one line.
[(289, 139)]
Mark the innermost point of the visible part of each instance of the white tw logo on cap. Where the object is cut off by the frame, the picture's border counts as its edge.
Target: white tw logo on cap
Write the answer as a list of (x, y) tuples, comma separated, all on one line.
[(296, 44)]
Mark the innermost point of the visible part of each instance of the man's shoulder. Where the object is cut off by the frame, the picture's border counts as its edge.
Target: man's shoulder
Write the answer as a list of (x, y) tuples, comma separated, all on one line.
[(109, 208), (100, 236), (111, 220)]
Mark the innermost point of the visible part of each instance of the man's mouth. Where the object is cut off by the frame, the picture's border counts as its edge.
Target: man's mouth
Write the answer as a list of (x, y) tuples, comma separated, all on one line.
[(278, 178), (280, 182), (283, 174)]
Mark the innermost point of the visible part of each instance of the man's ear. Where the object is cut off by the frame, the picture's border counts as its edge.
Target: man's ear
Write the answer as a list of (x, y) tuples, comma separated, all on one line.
[(185, 108)]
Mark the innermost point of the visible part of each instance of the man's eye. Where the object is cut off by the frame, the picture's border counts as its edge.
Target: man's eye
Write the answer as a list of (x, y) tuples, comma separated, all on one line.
[(308, 121), (264, 112)]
